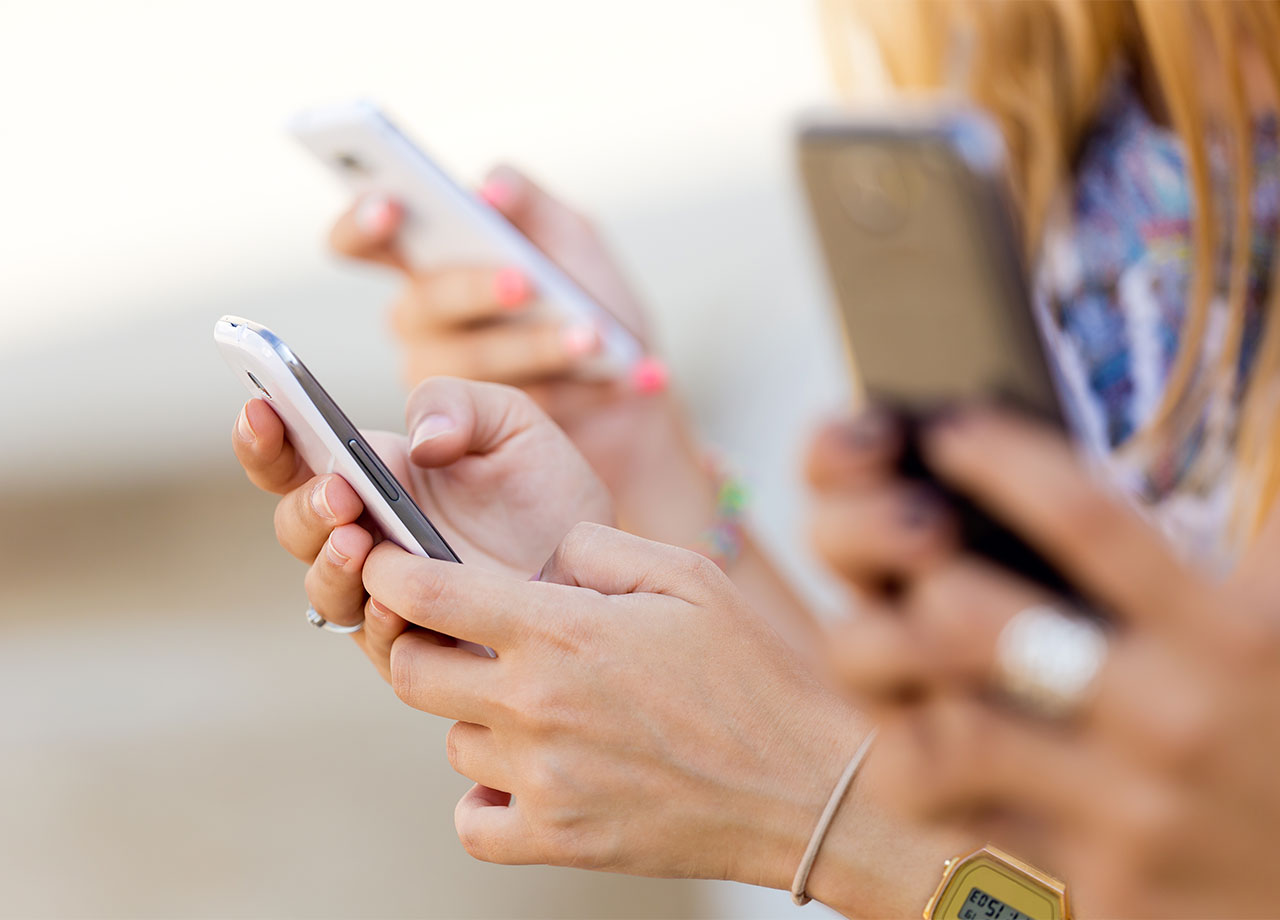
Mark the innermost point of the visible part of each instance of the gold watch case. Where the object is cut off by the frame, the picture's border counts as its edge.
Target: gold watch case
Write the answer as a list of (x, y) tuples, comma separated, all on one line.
[(1003, 878)]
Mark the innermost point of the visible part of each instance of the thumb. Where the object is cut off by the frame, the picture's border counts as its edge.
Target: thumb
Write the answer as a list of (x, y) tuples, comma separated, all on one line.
[(448, 418), (614, 562)]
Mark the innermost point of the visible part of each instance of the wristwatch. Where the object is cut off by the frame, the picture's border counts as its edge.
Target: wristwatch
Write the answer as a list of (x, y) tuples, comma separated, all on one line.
[(989, 884)]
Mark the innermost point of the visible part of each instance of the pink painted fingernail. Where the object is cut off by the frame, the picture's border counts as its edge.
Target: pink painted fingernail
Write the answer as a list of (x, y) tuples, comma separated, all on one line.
[(244, 428), (431, 427), (497, 193), (376, 215), (320, 502), (336, 556), (579, 341), (511, 288), (649, 375)]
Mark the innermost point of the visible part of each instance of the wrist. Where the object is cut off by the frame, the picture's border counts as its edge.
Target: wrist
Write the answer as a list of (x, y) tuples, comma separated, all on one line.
[(811, 758), (877, 863)]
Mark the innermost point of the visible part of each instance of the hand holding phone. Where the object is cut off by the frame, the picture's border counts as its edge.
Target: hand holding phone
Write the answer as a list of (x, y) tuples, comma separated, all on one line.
[(927, 267), (444, 226), (502, 480)]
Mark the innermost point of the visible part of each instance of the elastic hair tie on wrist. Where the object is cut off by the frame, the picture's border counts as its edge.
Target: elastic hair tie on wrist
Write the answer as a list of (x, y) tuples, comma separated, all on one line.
[(798, 895)]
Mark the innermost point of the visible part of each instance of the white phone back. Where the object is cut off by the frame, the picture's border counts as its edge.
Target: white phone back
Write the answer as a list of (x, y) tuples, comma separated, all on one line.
[(444, 223)]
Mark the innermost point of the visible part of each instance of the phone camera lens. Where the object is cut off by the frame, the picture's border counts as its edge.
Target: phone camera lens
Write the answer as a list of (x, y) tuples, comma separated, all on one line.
[(350, 163)]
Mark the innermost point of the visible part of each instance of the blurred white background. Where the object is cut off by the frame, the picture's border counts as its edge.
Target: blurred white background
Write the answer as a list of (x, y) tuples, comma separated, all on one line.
[(174, 740)]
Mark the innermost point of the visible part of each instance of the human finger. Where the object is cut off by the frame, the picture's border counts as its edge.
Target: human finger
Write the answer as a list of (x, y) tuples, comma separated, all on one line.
[(490, 828), (305, 516), (1028, 476), (458, 296), (875, 537), (473, 752), (462, 601), (367, 231), (613, 562), (260, 444), (444, 681), (333, 582), (514, 352), (449, 417), (853, 452)]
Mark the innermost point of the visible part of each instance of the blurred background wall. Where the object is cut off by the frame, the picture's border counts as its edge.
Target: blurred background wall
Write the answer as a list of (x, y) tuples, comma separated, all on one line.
[(174, 740)]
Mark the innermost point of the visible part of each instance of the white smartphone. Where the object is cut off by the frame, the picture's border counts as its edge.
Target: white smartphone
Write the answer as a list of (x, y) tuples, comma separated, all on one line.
[(325, 437), (444, 224)]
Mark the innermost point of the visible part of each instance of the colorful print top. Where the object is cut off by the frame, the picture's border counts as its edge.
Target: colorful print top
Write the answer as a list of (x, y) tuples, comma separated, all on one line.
[(1113, 288)]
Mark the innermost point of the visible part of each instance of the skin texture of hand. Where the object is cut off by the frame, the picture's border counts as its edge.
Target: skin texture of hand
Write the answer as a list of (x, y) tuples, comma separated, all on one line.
[(639, 716), (1159, 797), (499, 480)]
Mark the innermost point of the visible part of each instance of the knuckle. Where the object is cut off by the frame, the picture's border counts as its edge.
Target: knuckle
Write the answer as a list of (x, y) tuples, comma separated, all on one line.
[(477, 845), (697, 571), (1150, 815), (453, 749), (944, 594), (577, 543), (403, 681), (1184, 736), (426, 589)]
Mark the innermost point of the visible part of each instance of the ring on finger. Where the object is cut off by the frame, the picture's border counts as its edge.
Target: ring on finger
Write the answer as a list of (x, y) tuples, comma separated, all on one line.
[(1047, 661), (314, 618)]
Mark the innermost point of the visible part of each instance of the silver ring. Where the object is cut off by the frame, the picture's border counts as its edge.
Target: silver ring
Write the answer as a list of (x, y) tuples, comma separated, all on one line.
[(321, 623), (1048, 661)]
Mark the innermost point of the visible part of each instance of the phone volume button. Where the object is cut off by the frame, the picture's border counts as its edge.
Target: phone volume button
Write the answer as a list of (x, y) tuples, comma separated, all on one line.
[(374, 469)]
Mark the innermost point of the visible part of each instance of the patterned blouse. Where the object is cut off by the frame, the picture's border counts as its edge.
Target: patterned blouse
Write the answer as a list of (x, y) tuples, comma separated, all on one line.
[(1112, 292)]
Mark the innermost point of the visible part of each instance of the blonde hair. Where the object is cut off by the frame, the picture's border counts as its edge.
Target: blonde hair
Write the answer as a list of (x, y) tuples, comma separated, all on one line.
[(1041, 67)]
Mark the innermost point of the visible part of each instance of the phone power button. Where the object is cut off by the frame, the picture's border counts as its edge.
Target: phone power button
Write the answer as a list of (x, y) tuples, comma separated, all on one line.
[(373, 468)]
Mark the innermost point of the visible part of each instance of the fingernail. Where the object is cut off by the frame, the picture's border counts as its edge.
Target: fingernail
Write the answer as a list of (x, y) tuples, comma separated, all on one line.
[(243, 428), (334, 554), (948, 418), (921, 509), (868, 430), (649, 375), (511, 288), (579, 340), (432, 426), (497, 193), (379, 610), (320, 501), (376, 215)]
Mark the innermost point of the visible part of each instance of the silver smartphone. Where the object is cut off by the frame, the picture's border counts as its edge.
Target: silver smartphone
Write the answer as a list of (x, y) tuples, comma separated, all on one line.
[(925, 258)]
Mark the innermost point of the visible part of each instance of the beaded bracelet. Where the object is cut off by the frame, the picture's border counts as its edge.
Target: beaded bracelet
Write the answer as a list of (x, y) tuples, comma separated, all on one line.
[(722, 541)]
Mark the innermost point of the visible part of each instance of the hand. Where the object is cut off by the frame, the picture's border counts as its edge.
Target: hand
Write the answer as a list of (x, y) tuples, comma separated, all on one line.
[(639, 716), (478, 321), (872, 527), (493, 473), (1158, 798)]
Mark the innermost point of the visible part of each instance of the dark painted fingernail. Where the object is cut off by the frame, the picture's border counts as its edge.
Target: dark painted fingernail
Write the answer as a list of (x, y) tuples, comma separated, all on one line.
[(948, 417), (921, 508)]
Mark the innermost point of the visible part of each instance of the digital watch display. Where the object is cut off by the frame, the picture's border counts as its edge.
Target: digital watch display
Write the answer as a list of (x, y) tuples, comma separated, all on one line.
[(989, 884)]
